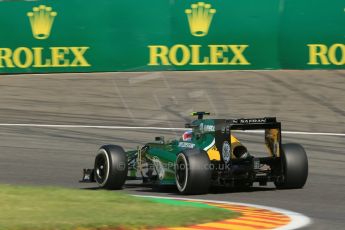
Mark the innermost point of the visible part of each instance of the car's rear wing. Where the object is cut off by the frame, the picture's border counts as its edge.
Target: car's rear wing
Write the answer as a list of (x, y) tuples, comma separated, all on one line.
[(271, 129), (252, 123)]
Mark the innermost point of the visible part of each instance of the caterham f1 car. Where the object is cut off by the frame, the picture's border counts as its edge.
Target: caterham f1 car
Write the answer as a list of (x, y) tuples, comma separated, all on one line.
[(209, 154)]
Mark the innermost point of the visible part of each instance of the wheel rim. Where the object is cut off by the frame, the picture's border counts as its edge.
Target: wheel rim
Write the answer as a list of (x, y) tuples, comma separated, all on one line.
[(101, 167), (181, 172)]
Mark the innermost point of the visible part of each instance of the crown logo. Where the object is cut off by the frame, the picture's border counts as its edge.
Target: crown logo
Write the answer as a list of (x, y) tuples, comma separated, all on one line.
[(200, 17), (41, 21)]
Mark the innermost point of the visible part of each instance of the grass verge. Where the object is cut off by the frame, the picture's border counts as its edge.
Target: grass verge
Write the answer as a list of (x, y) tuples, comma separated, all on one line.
[(50, 208)]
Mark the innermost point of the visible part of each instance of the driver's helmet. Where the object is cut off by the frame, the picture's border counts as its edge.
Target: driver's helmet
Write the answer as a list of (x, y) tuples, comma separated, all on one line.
[(187, 136)]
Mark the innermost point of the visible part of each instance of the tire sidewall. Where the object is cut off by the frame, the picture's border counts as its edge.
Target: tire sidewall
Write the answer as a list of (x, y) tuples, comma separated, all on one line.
[(187, 168), (102, 151)]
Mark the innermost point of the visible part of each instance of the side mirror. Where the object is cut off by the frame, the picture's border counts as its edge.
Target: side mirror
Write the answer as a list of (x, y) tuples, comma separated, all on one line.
[(160, 139), (190, 126)]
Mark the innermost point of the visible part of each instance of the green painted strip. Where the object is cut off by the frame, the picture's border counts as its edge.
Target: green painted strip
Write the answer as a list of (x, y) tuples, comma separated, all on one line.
[(184, 203)]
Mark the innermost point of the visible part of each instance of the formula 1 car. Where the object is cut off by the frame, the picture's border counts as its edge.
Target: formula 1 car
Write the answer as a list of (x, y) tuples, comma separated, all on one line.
[(207, 155)]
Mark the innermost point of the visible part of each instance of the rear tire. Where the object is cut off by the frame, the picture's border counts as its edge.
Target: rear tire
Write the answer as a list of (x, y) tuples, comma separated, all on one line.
[(295, 167), (111, 167), (193, 172)]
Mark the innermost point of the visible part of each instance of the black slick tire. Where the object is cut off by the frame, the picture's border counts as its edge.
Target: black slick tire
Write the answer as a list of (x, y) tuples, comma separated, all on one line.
[(295, 167), (193, 172), (111, 167)]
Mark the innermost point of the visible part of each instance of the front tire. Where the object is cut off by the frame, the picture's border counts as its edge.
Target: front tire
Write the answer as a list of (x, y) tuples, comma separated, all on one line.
[(295, 167), (193, 172), (111, 167)]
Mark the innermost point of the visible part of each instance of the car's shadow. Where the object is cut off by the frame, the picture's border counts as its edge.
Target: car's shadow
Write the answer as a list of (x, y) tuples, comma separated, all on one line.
[(172, 190)]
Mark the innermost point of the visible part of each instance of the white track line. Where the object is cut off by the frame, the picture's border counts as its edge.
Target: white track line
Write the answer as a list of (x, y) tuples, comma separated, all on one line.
[(297, 133), (93, 127), (298, 220), (154, 128)]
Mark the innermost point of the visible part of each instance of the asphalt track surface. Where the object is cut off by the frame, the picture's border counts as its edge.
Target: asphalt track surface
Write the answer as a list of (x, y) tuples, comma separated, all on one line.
[(307, 101)]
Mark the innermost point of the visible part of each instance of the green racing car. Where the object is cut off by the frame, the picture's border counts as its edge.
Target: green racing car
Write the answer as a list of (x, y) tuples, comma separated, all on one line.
[(206, 155)]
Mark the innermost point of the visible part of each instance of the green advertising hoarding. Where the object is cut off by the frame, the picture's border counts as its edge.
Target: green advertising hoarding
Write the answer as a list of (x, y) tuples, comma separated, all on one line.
[(155, 35)]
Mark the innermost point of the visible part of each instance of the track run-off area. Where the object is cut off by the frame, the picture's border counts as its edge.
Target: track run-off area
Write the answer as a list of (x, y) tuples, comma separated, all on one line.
[(52, 125)]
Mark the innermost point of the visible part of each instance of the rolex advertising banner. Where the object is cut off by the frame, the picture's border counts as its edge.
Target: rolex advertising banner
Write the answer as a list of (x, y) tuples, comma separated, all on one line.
[(155, 35)]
